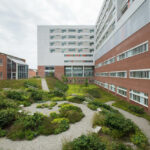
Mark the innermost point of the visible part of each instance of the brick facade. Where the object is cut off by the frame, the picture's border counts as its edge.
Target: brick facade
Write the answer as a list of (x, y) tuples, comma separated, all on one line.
[(141, 61), (59, 72), (41, 71), (32, 73), (3, 68)]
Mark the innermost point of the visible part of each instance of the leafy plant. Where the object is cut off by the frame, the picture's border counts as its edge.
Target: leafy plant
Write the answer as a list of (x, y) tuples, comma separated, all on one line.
[(94, 92), (76, 99), (2, 133), (86, 83), (136, 109)]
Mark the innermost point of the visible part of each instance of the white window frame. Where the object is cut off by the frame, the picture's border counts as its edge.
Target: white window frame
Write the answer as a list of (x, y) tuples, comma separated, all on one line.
[(123, 89), (139, 70), (112, 87), (140, 94)]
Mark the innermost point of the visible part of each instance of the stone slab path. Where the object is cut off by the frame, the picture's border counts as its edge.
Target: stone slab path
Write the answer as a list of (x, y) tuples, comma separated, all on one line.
[(142, 123), (51, 142), (44, 85)]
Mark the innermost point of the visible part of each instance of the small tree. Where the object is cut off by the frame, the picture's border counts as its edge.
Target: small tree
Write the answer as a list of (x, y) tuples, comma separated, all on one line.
[(64, 79), (86, 83)]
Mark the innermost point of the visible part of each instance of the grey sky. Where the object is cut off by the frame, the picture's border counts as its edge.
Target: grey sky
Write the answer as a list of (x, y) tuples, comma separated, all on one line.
[(19, 20)]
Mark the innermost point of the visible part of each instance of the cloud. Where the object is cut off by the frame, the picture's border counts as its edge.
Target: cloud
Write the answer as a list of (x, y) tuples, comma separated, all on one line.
[(19, 20)]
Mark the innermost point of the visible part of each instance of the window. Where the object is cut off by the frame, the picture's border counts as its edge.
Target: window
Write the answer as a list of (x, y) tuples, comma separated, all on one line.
[(122, 74), (71, 43), (52, 43), (106, 85), (63, 31), (52, 30), (52, 50), (112, 74), (51, 37), (92, 30), (140, 74), (64, 37), (134, 51), (122, 91), (1, 62), (139, 97), (1, 75), (112, 88), (72, 37), (72, 30)]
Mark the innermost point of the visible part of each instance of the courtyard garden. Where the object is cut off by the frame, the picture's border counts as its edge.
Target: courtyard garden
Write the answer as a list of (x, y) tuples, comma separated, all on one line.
[(27, 112)]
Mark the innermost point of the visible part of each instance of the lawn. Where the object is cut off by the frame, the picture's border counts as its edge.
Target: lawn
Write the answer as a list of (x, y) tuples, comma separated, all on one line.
[(17, 84), (91, 89)]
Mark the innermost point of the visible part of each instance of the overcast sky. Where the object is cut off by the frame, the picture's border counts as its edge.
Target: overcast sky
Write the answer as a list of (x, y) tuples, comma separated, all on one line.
[(19, 20)]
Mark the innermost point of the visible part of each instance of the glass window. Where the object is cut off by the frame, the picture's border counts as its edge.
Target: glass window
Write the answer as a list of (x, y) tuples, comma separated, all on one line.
[(1, 61), (122, 91), (1, 75), (140, 74)]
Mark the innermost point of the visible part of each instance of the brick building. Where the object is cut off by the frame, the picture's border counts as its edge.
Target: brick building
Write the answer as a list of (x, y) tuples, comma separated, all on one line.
[(12, 67)]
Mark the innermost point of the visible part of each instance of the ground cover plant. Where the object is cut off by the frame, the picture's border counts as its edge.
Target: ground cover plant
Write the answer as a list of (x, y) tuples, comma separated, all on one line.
[(135, 110), (73, 113), (91, 91), (117, 127), (49, 106), (76, 99), (93, 141), (17, 84)]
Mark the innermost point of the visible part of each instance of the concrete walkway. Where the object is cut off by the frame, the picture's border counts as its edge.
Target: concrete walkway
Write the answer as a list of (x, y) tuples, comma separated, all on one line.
[(44, 85), (52, 142), (142, 123)]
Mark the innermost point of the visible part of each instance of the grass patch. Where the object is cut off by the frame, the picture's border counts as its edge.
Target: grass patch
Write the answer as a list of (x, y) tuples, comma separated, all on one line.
[(135, 110), (17, 84), (97, 93)]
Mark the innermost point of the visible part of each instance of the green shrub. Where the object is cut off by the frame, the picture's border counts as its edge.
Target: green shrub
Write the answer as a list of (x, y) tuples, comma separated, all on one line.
[(54, 115), (37, 95), (29, 83), (121, 146), (29, 134), (94, 92), (61, 124), (98, 119), (106, 130), (61, 86), (17, 95), (92, 107), (76, 99), (89, 142), (2, 133), (7, 116), (86, 83), (136, 109), (4, 104), (52, 104), (118, 122), (57, 99), (42, 106), (73, 113), (57, 93), (139, 139)]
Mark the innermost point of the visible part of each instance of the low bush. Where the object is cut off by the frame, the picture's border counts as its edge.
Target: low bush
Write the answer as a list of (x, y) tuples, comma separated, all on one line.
[(57, 93), (76, 99), (30, 83), (54, 115), (17, 95), (61, 124), (139, 139), (121, 146), (94, 92), (42, 106), (7, 117), (73, 113), (4, 104), (136, 109), (52, 104), (36, 95), (61, 86), (2, 133), (92, 107), (98, 119), (57, 98), (89, 142)]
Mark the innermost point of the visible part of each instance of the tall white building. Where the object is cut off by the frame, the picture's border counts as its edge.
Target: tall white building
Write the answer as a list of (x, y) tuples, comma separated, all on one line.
[(66, 50)]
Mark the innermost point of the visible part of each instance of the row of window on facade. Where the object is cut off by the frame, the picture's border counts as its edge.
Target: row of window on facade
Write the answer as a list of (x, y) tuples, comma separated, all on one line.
[(78, 55), (72, 37), (137, 74), (68, 50), (71, 30), (129, 53), (79, 71), (71, 43), (78, 61), (136, 96)]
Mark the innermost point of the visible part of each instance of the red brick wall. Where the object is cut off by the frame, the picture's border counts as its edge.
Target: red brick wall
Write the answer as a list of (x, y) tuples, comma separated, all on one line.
[(141, 61), (41, 71), (3, 68), (32, 73), (59, 72)]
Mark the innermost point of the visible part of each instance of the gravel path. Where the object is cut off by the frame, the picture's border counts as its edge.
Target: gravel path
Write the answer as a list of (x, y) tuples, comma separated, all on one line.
[(44, 85), (142, 123), (52, 142)]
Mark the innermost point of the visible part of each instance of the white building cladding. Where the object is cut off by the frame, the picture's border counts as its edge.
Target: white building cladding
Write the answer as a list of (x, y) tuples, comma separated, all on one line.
[(66, 46), (118, 20)]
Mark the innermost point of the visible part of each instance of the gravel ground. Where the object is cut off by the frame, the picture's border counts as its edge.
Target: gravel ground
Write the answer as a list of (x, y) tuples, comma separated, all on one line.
[(52, 142), (142, 123), (44, 85)]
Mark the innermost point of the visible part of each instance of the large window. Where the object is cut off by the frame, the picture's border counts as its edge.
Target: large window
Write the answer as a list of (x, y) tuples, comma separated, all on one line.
[(139, 97), (78, 71), (140, 74), (122, 74), (134, 51), (1, 61), (122, 91), (88, 71), (68, 71), (22, 71), (112, 88)]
